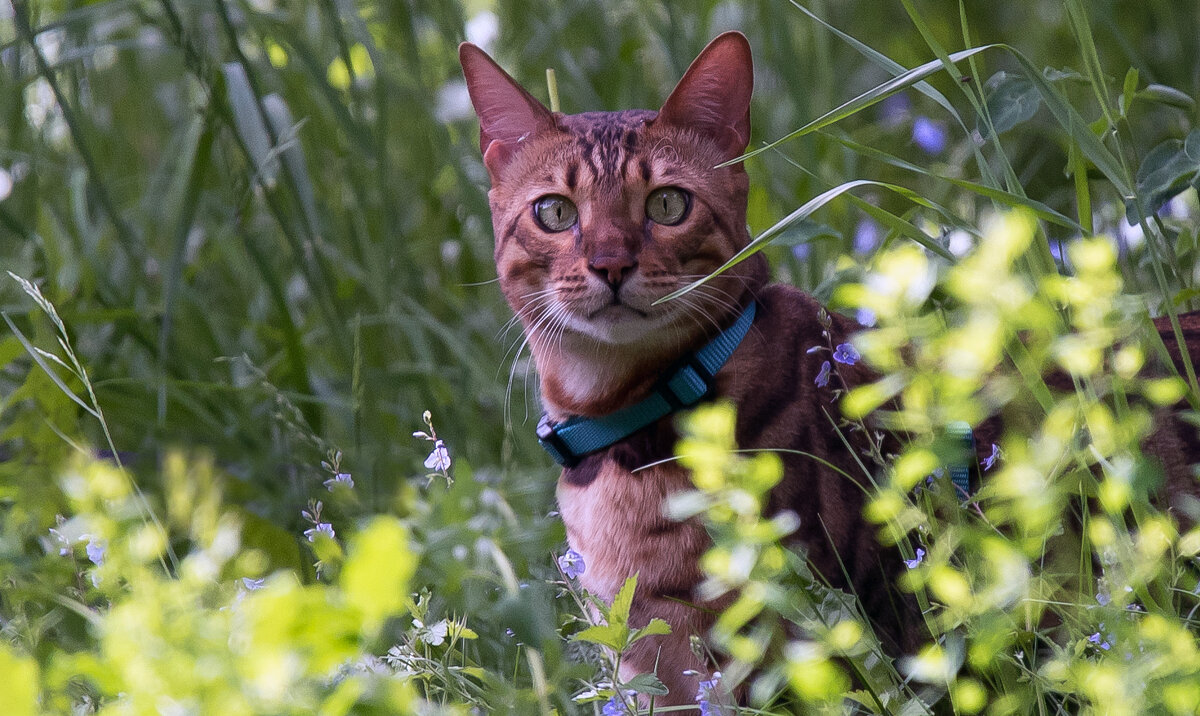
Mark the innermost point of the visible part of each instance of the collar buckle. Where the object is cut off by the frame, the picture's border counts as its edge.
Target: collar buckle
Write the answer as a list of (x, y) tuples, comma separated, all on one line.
[(678, 388), (554, 444)]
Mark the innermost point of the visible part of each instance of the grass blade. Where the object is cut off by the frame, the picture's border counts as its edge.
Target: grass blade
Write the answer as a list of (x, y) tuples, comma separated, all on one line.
[(809, 207)]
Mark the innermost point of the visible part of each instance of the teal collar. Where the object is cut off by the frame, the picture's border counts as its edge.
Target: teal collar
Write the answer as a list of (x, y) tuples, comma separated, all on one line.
[(692, 379)]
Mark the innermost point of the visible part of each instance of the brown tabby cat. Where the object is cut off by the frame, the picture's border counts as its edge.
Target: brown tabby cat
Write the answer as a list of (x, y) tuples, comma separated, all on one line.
[(599, 215)]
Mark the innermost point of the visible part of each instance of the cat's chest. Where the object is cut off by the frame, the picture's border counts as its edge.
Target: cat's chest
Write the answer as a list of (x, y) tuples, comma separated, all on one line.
[(617, 523)]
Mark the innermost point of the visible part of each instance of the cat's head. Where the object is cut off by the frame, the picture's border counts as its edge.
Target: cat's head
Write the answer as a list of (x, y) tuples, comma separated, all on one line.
[(598, 215)]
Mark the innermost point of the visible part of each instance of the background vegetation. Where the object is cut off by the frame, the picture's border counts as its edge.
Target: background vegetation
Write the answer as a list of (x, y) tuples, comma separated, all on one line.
[(259, 247)]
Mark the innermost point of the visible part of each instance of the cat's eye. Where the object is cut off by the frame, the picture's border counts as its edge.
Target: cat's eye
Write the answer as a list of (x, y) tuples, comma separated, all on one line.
[(555, 213), (667, 205)]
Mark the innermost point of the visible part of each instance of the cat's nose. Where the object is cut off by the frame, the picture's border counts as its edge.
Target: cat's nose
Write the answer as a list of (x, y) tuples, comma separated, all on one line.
[(613, 268)]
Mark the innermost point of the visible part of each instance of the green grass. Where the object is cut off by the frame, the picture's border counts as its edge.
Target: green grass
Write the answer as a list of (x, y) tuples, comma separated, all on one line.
[(265, 230)]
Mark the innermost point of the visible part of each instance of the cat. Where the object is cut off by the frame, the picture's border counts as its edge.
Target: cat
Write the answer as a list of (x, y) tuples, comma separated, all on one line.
[(596, 217)]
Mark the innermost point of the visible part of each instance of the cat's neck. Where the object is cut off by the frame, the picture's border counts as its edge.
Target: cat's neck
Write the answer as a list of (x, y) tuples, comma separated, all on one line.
[(582, 376)]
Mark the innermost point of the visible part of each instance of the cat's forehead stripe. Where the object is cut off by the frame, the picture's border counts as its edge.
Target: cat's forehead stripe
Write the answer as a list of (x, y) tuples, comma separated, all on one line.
[(607, 142)]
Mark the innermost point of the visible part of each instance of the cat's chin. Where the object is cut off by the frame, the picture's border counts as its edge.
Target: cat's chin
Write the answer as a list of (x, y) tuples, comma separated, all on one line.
[(619, 324)]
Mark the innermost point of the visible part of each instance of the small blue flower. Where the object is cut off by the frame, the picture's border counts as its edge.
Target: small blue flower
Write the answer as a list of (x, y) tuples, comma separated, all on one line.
[(929, 135), (1103, 599), (439, 459), (95, 550), (990, 460), (252, 584), (708, 695), (342, 478), (912, 563), (615, 707), (866, 236), (894, 110), (323, 528), (823, 376), (1100, 641), (937, 474), (572, 564), (1056, 250), (865, 317), (846, 353)]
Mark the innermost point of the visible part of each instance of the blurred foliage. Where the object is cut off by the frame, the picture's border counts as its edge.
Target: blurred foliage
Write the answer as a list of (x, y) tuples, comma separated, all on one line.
[(257, 235)]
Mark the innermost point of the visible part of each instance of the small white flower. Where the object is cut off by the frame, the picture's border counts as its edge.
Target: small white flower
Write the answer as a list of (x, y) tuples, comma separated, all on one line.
[(435, 635), (342, 478), (439, 459), (64, 544), (322, 528)]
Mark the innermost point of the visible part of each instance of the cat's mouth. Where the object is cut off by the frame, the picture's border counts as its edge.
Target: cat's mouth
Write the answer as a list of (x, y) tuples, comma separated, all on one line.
[(616, 307)]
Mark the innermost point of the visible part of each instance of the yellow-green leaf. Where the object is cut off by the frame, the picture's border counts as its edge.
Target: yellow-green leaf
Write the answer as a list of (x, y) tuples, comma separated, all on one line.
[(379, 565), (611, 635), (654, 628), (20, 693)]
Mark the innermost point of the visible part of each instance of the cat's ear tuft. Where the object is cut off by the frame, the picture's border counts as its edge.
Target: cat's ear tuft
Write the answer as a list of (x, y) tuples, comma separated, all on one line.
[(713, 97), (507, 113)]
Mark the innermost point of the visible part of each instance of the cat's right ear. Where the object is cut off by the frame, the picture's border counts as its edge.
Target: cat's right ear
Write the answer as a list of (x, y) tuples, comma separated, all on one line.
[(713, 98), (507, 113)]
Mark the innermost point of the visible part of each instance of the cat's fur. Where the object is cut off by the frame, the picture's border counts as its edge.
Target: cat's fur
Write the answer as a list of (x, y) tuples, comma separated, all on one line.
[(585, 298)]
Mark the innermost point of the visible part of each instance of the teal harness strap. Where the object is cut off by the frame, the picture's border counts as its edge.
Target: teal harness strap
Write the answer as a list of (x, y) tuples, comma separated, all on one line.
[(960, 471), (569, 441)]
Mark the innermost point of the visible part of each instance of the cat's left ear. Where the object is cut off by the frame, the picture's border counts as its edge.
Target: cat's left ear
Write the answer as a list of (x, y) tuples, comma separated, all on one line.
[(507, 113), (714, 95)]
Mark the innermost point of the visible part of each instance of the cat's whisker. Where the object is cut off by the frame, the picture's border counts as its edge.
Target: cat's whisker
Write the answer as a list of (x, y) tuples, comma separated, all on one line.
[(555, 330), (537, 311), (543, 312), (540, 298), (691, 312), (693, 306), (508, 389)]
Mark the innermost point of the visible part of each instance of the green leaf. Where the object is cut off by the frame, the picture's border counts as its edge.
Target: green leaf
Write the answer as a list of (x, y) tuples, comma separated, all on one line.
[(1168, 169), (656, 627), (1011, 100), (37, 356), (618, 613), (1128, 90), (805, 232), (1169, 96), (866, 99), (1043, 212), (647, 684), (1064, 113), (611, 635), (807, 209), (1187, 294), (248, 120), (277, 544), (893, 67)]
